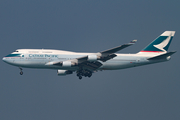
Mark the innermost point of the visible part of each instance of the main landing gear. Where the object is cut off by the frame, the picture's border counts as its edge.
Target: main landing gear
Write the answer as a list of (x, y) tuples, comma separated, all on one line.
[(85, 73), (21, 72)]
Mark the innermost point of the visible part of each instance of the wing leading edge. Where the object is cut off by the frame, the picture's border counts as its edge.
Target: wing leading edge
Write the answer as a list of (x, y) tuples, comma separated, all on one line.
[(114, 50), (109, 54)]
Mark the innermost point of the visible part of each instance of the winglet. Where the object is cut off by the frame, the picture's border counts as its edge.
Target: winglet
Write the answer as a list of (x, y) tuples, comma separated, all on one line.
[(133, 41)]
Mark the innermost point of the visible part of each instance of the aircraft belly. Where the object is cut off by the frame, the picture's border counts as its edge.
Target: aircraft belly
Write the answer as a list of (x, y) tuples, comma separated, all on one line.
[(117, 65), (123, 63), (29, 64), (39, 64)]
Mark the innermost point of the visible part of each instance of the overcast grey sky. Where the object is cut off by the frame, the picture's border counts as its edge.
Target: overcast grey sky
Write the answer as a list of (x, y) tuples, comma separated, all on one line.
[(143, 93)]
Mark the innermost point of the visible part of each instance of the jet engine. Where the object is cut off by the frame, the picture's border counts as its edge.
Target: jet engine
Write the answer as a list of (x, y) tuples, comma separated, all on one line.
[(68, 64), (92, 57), (64, 72)]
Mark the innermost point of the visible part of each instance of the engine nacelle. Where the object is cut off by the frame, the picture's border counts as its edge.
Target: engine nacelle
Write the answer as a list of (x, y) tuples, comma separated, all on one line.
[(92, 57), (64, 72), (66, 64)]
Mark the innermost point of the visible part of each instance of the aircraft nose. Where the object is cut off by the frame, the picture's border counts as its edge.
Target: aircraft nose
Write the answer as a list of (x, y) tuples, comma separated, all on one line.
[(4, 59)]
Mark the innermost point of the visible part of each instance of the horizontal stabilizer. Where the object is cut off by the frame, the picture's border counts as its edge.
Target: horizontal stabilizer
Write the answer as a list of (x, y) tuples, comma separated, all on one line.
[(162, 56)]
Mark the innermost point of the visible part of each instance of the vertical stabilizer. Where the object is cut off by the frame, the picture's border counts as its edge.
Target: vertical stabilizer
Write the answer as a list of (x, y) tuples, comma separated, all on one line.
[(160, 44)]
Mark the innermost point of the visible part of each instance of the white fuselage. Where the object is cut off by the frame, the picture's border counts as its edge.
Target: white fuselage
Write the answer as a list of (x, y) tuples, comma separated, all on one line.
[(84, 64), (38, 58)]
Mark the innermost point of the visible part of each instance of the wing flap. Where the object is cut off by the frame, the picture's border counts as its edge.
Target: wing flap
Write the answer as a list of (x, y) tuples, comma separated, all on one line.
[(108, 57), (91, 65)]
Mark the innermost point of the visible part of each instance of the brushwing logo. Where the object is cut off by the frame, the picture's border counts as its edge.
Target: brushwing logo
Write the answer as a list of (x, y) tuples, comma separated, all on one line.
[(163, 44)]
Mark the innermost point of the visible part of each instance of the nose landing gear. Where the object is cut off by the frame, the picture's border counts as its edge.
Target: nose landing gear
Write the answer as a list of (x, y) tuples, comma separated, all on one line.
[(21, 72)]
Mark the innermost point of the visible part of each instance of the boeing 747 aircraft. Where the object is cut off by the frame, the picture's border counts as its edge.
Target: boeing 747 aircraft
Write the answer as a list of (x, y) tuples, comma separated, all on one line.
[(84, 64)]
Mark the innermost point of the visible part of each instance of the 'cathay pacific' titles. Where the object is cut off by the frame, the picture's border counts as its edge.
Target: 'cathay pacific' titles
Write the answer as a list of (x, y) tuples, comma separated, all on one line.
[(41, 55)]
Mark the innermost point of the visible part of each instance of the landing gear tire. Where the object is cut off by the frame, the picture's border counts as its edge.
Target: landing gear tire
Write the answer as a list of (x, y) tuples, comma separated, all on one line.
[(80, 77), (21, 73), (90, 75)]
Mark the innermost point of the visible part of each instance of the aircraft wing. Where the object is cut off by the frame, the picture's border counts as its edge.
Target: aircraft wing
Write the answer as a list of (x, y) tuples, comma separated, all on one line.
[(91, 62), (109, 54), (113, 50), (81, 62)]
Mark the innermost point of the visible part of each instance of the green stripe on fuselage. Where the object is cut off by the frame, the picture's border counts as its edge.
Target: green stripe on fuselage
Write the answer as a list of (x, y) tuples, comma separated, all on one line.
[(13, 55)]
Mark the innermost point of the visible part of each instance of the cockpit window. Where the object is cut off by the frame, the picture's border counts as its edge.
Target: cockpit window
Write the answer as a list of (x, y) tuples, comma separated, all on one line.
[(16, 51)]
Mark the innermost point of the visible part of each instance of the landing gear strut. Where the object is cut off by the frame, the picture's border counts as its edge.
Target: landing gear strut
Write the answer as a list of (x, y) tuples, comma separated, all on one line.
[(21, 72)]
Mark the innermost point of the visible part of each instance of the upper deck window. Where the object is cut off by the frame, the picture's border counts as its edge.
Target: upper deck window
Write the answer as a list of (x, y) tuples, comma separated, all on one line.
[(46, 52), (33, 51)]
